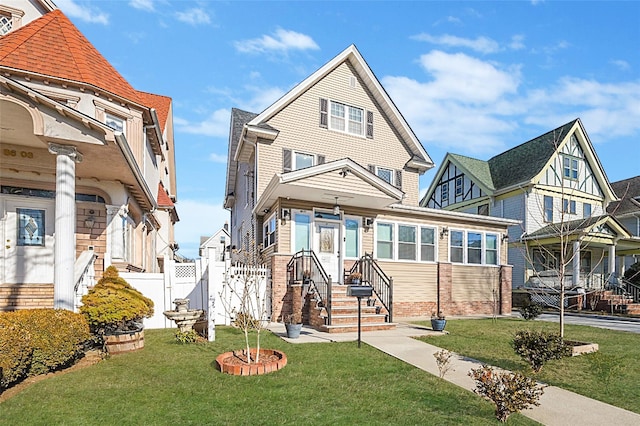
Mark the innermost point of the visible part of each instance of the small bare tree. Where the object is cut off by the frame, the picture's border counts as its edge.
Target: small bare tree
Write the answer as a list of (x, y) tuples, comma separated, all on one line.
[(244, 297)]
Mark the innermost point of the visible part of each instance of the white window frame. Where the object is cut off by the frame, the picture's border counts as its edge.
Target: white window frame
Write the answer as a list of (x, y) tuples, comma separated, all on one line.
[(346, 118), (294, 159), (546, 210), (465, 247), (570, 167), (391, 174), (269, 229), (395, 242), (585, 207)]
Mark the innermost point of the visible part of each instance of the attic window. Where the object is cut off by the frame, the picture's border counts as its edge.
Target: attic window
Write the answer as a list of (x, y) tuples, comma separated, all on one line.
[(345, 118), (116, 123), (6, 23)]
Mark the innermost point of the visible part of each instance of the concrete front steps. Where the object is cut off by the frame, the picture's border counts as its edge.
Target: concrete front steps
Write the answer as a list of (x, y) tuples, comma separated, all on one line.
[(25, 296), (344, 314)]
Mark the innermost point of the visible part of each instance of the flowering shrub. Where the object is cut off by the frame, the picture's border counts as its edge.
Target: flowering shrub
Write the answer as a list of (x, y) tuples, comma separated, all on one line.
[(510, 392), (114, 305), (539, 347)]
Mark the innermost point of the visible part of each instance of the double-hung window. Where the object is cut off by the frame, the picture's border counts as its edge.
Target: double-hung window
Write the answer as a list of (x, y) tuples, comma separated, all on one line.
[(459, 186), (491, 249), (569, 206), (570, 167), (384, 237), (407, 242), (427, 244), (346, 118), (269, 229), (474, 248), (444, 191), (586, 210), (548, 208), (456, 247)]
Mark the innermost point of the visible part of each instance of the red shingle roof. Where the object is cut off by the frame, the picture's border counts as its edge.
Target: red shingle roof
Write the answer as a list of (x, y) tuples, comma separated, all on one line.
[(163, 198), (160, 103), (53, 46)]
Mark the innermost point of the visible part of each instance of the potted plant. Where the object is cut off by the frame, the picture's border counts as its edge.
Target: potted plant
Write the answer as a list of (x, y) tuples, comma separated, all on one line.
[(438, 321), (114, 311), (355, 278), (293, 325)]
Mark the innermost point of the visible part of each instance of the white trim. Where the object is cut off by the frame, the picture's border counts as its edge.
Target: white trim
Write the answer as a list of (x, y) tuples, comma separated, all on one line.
[(396, 241), (483, 248)]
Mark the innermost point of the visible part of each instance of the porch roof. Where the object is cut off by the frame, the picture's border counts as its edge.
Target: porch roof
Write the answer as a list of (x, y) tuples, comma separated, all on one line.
[(597, 231), (343, 181)]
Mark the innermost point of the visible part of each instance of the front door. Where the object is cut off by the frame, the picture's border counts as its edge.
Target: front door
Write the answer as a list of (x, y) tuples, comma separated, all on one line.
[(26, 255), (327, 247)]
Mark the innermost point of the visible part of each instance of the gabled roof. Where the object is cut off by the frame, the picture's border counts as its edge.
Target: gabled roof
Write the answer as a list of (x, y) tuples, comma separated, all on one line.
[(479, 169), (352, 55), (578, 226), (160, 103), (163, 199), (628, 190), (523, 162), (53, 46)]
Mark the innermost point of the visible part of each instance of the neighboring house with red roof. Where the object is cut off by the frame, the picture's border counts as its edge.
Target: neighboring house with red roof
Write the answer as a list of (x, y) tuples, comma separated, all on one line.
[(87, 166)]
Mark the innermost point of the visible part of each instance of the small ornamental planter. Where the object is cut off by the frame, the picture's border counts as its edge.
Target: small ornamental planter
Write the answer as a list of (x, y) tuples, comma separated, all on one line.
[(235, 363), (581, 348)]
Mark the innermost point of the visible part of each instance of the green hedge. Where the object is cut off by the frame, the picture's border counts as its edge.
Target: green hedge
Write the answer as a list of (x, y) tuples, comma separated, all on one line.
[(39, 341)]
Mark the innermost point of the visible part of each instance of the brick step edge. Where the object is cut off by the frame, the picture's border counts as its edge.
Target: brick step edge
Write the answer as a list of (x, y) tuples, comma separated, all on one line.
[(347, 328)]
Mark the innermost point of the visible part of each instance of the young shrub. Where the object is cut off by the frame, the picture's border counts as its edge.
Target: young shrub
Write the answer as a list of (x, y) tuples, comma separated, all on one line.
[(530, 311), (443, 360), (537, 348), (114, 305), (15, 350), (57, 337), (510, 392), (184, 337)]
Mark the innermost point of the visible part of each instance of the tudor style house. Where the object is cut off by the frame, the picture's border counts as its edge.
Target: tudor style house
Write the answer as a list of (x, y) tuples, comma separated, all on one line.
[(87, 167), (556, 187), (324, 182), (627, 211)]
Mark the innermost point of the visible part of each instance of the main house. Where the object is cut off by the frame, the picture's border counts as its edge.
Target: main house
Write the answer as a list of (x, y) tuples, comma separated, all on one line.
[(87, 167), (556, 187), (324, 182)]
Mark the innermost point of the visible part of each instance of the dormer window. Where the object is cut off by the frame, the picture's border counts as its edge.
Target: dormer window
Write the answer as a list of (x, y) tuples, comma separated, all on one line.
[(6, 23), (10, 19)]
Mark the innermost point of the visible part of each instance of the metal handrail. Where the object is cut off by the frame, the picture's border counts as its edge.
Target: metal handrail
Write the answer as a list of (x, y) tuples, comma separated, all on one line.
[(376, 278), (632, 290), (304, 266)]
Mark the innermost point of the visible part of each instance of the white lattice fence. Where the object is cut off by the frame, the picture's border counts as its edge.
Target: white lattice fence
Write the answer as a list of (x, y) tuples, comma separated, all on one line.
[(249, 287)]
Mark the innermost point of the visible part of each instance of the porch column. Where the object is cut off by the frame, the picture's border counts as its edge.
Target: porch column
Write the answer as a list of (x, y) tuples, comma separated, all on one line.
[(65, 242), (612, 258), (576, 263)]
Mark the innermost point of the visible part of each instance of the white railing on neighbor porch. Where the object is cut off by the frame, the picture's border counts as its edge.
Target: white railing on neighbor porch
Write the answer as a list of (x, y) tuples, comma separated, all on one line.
[(84, 276)]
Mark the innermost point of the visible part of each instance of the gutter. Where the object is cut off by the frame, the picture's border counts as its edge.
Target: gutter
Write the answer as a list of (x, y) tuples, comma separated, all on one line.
[(447, 214)]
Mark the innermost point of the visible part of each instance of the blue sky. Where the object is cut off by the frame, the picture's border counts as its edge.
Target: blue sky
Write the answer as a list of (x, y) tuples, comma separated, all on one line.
[(473, 78)]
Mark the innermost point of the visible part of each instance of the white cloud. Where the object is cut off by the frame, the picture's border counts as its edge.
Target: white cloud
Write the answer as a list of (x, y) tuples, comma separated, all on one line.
[(197, 219), (85, 13), (622, 65), (216, 124), (517, 42), (261, 98), (282, 41), (142, 5), (479, 44), (218, 158), (194, 16)]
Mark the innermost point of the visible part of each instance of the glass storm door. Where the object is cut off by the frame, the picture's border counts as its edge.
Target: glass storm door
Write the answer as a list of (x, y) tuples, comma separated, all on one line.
[(327, 248)]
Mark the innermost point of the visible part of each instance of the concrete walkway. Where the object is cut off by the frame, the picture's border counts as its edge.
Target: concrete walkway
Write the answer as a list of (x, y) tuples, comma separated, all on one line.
[(557, 406)]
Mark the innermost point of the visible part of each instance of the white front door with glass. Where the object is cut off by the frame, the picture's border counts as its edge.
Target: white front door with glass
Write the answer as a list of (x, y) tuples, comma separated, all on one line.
[(327, 248)]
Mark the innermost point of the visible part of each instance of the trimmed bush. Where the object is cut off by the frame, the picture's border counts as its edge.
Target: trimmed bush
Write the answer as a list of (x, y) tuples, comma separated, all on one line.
[(57, 337), (15, 351), (510, 392), (114, 305), (538, 347), (530, 311), (36, 341), (633, 273)]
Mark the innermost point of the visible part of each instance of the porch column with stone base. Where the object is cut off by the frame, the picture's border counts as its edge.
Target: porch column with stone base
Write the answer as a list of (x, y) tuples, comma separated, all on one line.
[(65, 218)]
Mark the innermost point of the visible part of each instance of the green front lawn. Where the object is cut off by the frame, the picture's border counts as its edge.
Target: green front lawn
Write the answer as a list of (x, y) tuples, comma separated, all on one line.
[(490, 341), (323, 384)]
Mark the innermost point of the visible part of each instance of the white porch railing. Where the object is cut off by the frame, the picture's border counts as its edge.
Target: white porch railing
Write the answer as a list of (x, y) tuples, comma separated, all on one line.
[(84, 275)]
